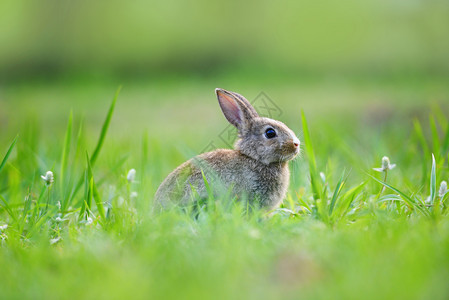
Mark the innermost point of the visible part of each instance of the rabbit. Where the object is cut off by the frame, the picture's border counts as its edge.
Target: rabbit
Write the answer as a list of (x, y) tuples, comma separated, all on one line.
[(256, 170)]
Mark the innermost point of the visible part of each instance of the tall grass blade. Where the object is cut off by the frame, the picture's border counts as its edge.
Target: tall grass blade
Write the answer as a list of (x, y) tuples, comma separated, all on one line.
[(8, 209), (65, 152), (105, 127), (104, 130), (445, 146), (8, 153), (302, 202), (314, 176), (337, 191), (86, 195), (342, 207), (79, 139), (210, 193)]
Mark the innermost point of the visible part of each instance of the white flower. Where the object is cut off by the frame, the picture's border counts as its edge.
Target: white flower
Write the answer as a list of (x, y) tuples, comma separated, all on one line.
[(48, 178), (131, 175), (55, 240), (133, 195), (89, 221), (59, 219), (323, 177), (3, 227), (443, 189), (385, 165)]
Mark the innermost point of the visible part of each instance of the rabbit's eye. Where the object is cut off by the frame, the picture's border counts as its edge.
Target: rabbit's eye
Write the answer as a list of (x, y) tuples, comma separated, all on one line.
[(270, 133)]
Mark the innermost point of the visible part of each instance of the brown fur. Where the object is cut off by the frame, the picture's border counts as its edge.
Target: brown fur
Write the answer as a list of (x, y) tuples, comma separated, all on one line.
[(256, 170)]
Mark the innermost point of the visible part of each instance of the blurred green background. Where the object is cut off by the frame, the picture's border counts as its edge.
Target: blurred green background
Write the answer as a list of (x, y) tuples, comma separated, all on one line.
[(370, 60), (149, 38), (362, 72)]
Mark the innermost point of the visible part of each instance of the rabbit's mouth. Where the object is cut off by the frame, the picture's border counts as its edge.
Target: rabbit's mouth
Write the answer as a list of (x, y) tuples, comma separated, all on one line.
[(292, 155), (289, 152)]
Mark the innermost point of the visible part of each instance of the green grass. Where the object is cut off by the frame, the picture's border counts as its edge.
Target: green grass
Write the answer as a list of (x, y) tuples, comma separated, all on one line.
[(343, 232)]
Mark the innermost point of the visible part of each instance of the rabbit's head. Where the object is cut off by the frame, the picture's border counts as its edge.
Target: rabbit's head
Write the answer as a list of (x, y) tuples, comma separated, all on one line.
[(263, 139)]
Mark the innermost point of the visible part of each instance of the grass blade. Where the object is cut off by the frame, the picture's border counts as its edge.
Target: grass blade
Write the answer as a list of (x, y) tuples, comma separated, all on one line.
[(94, 190), (86, 196), (342, 207), (210, 193), (302, 202), (105, 127), (104, 130), (337, 191), (411, 203), (65, 152), (8, 209), (314, 176), (445, 146), (8, 153)]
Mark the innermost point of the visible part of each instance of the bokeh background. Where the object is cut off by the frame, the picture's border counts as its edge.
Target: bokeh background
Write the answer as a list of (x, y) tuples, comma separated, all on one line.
[(51, 39), (371, 63), (367, 74)]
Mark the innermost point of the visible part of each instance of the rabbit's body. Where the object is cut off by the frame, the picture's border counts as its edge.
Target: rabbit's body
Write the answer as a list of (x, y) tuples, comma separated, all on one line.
[(256, 170), (236, 172)]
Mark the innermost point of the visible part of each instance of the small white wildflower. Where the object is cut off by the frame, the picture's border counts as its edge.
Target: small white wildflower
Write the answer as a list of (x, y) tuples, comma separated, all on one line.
[(443, 189), (48, 178), (131, 175), (385, 165), (55, 240), (59, 219), (323, 177), (3, 227), (89, 221), (3, 237), (133, 195)]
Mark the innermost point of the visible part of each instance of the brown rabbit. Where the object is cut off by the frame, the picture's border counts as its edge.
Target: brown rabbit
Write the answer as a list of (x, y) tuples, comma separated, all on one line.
[(256, 170)]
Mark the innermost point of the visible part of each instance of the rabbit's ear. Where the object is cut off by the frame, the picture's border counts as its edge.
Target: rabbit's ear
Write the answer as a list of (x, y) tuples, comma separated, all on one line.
[(237, 110)]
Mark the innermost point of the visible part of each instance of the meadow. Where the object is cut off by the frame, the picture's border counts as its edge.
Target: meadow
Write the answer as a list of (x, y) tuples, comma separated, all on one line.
[(345, 230)]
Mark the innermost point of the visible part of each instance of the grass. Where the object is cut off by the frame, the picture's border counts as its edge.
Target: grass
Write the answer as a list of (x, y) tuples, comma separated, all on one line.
[(344, 231)]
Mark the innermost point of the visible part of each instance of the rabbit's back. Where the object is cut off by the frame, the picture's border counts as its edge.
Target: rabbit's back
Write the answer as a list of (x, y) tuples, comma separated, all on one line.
[(263, 185)]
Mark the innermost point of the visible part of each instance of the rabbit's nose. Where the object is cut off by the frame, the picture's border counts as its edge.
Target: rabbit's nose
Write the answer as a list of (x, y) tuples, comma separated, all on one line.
[(296, 142)]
